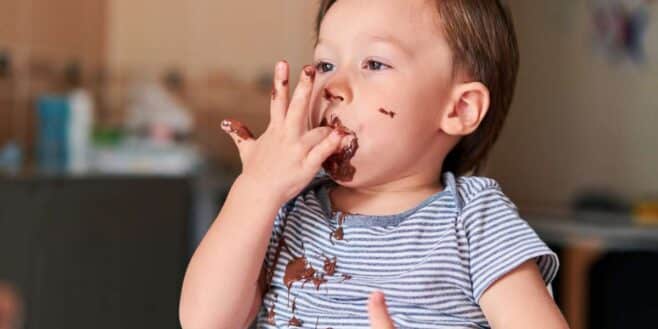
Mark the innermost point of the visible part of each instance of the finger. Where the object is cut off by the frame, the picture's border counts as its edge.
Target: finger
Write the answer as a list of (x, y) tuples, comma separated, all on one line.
[(279, 103), (315, 136), (296, 118), (320, 152), (378, 313), (239, 133)]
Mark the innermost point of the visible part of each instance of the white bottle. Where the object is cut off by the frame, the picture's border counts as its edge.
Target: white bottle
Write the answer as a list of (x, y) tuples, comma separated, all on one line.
[(80, 126)]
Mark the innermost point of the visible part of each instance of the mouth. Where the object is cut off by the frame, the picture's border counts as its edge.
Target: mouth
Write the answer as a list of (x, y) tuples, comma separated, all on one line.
[(339, 165)]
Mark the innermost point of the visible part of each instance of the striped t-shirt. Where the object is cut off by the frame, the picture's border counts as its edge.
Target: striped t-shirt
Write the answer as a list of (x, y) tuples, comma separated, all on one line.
[(432, 262)]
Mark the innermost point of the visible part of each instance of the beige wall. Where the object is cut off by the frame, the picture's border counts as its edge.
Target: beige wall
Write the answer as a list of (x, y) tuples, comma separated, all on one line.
[(577, 119), (42, 36), (245, 38), (222, 47)]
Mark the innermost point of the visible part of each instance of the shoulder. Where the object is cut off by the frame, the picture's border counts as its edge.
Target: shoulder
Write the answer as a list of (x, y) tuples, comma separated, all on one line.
[(478, 191)]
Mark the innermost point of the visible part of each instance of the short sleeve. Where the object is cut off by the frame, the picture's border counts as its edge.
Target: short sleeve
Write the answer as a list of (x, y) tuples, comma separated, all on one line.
[(277, 232), (499, 240)]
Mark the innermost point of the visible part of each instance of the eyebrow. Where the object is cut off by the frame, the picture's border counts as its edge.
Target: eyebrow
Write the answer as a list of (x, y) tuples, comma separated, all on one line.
[(384, 38), (392, 40)]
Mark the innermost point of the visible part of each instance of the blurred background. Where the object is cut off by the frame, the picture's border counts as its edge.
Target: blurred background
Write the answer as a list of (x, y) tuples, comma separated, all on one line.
[(112, 163)]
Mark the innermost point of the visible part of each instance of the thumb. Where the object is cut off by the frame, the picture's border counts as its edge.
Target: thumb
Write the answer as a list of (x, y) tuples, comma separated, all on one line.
[(379, 317), (240, 134)]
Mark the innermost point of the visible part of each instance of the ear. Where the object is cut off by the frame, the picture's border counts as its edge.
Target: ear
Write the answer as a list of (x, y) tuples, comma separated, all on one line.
[(468, 105)]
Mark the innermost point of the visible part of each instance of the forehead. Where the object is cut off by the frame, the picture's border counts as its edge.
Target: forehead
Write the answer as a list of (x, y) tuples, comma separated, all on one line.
[(413, 23)]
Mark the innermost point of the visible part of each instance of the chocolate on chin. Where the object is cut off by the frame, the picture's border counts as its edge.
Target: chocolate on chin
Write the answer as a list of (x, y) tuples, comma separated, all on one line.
[(339, 165)]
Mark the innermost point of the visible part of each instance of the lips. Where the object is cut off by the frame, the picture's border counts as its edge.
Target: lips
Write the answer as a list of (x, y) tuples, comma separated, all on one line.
[(339, 165)]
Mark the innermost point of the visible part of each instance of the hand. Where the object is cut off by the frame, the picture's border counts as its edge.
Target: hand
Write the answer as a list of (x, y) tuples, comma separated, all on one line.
[(288, 155), (379, 318)]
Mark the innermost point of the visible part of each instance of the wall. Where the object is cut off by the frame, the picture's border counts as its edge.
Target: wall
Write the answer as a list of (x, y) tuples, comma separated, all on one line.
[(223, 48), (201, 35), (41, 37), (578, 120)]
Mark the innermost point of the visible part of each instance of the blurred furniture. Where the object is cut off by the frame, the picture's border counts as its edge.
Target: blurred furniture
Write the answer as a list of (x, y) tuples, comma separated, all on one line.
[(624, 290), (605, 262), (98, 251)]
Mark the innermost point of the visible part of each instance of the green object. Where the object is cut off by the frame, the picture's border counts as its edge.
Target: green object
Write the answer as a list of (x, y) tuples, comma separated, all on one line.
[(107, 136)]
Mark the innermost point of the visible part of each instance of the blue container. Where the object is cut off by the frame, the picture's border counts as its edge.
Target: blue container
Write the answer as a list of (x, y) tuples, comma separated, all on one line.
[(53, 113)]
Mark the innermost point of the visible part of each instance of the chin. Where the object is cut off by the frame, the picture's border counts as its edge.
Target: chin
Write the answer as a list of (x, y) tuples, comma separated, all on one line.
[(359, 178)]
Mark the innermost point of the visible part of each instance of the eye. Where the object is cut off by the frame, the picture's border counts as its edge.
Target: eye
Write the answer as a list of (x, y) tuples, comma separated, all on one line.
[(324, 67), (375, 65)]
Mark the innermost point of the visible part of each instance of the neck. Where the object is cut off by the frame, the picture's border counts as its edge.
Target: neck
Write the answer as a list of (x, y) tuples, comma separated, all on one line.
[(387, 198)]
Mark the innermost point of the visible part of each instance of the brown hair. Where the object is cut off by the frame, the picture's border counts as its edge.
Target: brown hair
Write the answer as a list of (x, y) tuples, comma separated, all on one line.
[(482, 38)]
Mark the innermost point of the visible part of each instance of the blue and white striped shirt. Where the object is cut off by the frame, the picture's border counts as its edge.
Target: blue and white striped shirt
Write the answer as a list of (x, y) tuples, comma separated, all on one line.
[(433, 262)]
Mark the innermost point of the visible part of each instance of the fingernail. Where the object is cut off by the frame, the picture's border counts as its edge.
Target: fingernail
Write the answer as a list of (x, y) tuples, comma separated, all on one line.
[(281, 70), (226, 125), (281, 65), (309, 71), (378, 297)]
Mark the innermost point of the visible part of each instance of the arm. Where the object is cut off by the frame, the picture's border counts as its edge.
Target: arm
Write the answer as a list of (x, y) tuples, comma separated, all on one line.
[(224, 269), (220, 289), (520, 300)]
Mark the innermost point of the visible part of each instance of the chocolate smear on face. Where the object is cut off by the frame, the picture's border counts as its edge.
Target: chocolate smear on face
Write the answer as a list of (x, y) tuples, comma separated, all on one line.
[(328, 95), (389, 113), (236, 127), (339, 165)]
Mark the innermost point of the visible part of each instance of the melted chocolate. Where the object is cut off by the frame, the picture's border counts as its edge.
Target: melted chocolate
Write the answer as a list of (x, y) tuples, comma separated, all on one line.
[(236, 127), (346, 277), (317, 280), (294, 321), (298, 270), (329, 266), (338, 234), (310, 72), (330, 96), (269, 272), (271, 314), (389, 113), (339, 165)]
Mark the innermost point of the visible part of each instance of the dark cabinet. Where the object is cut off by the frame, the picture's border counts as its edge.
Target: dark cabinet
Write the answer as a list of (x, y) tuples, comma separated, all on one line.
[(96, 252)]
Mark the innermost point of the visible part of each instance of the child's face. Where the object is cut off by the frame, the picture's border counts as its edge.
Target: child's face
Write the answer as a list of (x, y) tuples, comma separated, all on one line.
[(385, 70)]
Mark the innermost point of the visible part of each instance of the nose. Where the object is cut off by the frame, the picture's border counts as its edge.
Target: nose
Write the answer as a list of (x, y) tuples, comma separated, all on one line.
[(329, 95), (338, 89)]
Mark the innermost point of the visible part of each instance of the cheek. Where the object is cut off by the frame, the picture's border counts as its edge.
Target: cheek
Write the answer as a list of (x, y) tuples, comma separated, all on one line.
[(380, 133)]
